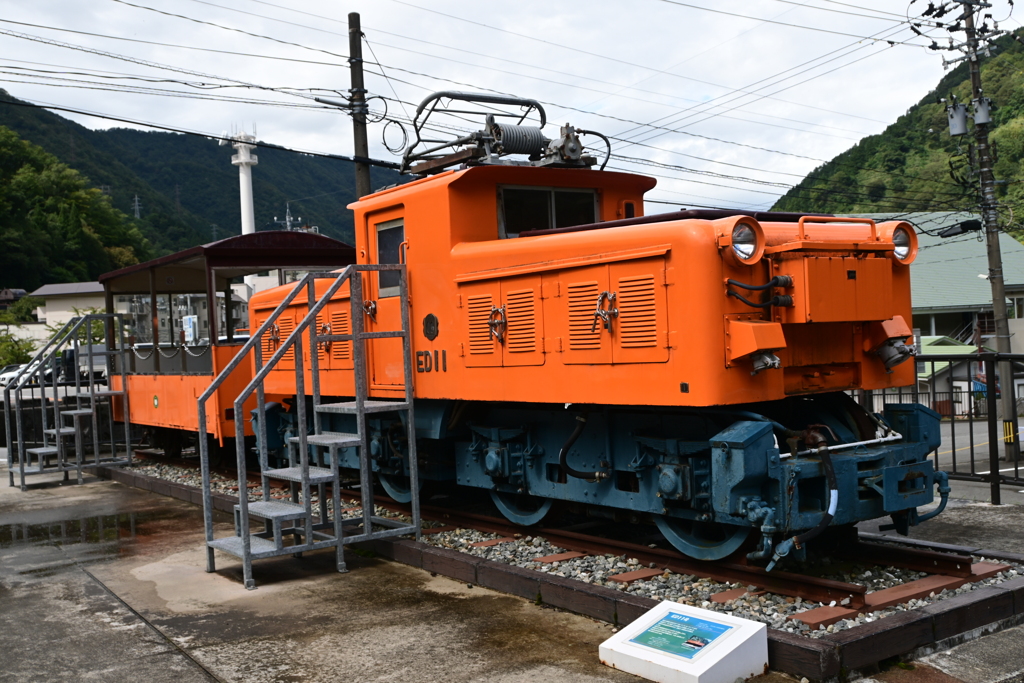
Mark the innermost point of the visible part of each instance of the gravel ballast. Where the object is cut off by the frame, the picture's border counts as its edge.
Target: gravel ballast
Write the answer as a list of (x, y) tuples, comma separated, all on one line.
[(771, 609)]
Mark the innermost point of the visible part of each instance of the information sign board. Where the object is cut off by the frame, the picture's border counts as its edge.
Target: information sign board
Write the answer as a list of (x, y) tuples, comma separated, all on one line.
[(675, 643)]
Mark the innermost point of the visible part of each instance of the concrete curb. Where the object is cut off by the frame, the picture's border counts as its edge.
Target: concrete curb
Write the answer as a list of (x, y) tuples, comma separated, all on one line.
[(829, 658)]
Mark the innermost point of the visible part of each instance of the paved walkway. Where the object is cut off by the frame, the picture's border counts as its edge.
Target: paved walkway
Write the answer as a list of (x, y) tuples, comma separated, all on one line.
[(103, 582)]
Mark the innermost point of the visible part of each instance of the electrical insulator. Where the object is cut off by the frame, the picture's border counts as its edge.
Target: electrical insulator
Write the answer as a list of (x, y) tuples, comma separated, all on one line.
[(982, 110), (957, 114)]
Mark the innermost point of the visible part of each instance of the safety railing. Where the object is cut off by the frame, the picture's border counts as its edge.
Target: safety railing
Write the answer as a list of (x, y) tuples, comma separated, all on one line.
[(254, 346), (44, 372), (979, 443), (301, 474)]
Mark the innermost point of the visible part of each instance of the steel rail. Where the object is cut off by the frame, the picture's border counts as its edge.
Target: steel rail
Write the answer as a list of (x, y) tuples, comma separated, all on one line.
[(790, 584), (784, 583)]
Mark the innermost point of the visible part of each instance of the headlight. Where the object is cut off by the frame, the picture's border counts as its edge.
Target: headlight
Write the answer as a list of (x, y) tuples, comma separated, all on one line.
[(744, 241), (902, 241), (747, 243), (904, 244)]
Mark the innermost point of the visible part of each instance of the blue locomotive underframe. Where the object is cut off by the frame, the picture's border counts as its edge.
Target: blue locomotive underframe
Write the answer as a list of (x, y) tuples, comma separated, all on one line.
[(706, 476)]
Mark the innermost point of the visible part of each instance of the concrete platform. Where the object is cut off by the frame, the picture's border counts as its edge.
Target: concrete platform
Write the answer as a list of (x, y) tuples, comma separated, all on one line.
[(104, 582)]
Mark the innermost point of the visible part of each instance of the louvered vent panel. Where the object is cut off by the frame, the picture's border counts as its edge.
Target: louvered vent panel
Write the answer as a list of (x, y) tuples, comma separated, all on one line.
[(340, 325), (267, 346), (638, 319), (522, 322), (582, 304), (480, 340), (286, 325), (321, 352)]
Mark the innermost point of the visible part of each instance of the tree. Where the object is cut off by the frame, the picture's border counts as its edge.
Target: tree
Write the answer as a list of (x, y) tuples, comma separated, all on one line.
[(21, 311), (14, 350), (53, 226)]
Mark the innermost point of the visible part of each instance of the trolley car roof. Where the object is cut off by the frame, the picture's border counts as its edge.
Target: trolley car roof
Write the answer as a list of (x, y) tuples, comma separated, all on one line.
[(186, 271)]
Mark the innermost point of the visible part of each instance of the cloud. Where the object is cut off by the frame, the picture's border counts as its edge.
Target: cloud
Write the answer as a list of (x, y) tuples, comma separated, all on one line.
[(720, 85)]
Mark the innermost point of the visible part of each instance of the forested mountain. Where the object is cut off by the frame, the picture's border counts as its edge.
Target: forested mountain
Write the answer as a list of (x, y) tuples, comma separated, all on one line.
[(908, 166), (53, 226), (186, 183)]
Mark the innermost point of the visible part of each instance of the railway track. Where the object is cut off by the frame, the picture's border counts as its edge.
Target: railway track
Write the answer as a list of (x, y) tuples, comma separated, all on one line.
[(953, 569), (840, 599)]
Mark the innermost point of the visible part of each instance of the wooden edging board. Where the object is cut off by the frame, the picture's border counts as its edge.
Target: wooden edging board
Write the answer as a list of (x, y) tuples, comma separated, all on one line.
[(831, 657)]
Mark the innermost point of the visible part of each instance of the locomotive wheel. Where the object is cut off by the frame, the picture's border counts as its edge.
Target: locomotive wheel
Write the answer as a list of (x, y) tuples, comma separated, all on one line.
[(521, 508), (702, 540), (397, 487)]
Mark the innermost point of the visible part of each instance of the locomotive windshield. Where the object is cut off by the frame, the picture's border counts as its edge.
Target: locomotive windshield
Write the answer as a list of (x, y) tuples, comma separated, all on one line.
[(541, 208)]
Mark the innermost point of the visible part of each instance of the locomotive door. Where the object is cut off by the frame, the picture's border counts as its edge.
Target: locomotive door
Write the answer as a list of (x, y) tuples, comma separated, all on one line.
[(387, 246), (503, 323), (617, 313)]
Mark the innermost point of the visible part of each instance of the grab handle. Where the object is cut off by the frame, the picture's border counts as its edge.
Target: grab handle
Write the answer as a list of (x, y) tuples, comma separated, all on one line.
[(801, 234)]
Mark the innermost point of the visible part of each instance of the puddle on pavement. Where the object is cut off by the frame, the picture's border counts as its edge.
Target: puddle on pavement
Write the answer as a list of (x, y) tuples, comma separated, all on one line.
[(108, 533)]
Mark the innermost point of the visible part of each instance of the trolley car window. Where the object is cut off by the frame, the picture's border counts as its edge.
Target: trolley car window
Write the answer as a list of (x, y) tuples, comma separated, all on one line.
[(537, 208), (390, 236)]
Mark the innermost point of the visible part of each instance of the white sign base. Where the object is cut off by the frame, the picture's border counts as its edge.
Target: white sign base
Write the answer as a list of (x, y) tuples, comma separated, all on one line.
[(675, 643)]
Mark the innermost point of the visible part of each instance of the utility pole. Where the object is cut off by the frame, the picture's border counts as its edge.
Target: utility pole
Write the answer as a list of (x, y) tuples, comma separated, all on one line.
[(990, 219), (358, 105), (973, 50)]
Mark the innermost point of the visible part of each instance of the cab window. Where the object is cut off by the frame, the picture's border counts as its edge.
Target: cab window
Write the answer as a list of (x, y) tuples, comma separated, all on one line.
[(541, 208), (390, 236)]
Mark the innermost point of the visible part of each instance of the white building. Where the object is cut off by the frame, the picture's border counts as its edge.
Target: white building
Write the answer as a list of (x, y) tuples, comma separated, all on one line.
[(60, 301)]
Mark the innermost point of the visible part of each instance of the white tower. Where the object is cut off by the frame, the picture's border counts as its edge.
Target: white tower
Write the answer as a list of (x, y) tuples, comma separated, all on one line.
[(244, 160)]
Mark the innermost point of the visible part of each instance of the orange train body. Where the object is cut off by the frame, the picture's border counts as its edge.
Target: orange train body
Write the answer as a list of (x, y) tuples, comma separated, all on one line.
[(678, 339)]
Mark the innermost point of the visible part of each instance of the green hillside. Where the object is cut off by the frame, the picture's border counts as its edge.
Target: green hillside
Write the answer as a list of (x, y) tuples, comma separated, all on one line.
[(187, 184), (53, 226), (907, 167)]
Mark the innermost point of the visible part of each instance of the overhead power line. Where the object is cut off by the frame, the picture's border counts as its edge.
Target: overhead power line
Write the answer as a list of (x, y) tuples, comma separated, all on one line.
[(160, 92), (503, 59), (157, 43), (607, 57), (173, 129), (738, 94), (839, 11), (231, 28), (783, 23), (134, 60)]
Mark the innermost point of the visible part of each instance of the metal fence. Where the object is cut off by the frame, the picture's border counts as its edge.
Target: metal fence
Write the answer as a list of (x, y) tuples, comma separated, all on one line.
[(978, 442)]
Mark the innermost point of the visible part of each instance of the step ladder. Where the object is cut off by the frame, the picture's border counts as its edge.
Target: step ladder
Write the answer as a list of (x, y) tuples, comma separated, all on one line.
[(312, 459), (59, 425)]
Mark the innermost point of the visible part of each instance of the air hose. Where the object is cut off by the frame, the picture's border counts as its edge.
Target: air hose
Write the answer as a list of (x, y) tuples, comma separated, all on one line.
[(777, 281), (779, 300), (563, 455), (800, 540)]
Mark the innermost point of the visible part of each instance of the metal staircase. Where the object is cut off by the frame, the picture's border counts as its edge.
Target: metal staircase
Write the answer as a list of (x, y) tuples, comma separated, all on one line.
[(58, 424), (312, 458)]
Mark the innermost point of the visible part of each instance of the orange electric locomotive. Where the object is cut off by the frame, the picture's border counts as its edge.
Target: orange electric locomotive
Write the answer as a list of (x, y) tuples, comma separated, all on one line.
[(693, 369)]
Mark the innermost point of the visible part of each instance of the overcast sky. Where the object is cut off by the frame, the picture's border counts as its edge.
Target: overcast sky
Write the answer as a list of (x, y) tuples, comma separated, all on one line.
[(740, 106)]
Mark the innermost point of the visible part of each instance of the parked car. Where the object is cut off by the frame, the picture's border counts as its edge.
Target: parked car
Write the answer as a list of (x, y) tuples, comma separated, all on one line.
[(8, 373)]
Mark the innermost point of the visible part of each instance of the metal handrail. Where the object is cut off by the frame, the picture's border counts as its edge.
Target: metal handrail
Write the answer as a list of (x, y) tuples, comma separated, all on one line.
[(256, 384), (293, 343), (1010, 440), (7, 397), (254, 343), (38, 367)]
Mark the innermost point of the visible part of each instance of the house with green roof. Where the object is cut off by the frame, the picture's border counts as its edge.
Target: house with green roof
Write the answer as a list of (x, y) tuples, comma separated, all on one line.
[(950, 290)]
